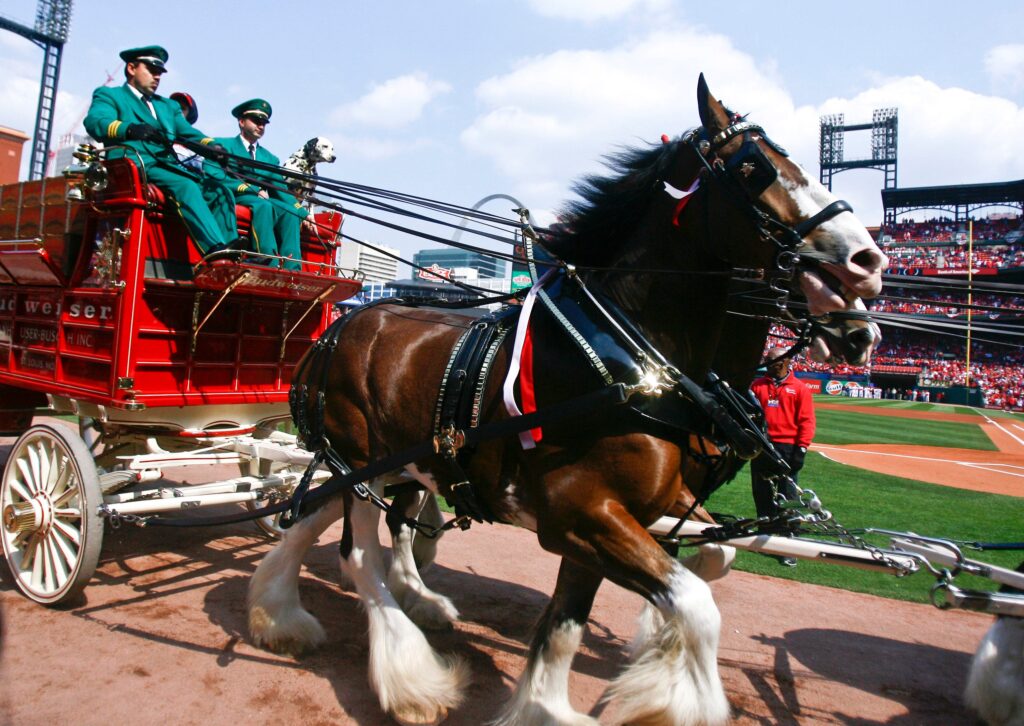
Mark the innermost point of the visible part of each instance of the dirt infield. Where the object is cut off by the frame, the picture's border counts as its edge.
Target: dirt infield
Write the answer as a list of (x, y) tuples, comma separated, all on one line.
[(995, 472), (161, 639)]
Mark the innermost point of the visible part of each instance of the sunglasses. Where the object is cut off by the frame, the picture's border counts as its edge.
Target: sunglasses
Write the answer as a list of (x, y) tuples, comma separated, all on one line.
[(258, 120)]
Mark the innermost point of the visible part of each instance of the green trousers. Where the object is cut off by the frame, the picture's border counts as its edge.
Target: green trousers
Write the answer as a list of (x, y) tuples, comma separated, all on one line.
[(206, 206), (275, 229)]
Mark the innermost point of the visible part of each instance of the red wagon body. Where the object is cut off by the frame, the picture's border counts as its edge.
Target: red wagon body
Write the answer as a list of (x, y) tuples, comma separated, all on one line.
[(169, 359), (110, 304)]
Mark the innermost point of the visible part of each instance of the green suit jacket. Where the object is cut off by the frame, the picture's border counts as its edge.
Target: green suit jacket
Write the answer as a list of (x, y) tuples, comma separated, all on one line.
[(113, 110), (236, 145)]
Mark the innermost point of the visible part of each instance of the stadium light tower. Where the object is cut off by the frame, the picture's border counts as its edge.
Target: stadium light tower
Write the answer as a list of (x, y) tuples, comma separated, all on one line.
[(53, 19), (883, 127)]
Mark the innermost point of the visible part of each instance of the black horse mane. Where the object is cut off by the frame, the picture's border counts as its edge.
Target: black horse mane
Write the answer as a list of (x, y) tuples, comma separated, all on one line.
[(610, 207)]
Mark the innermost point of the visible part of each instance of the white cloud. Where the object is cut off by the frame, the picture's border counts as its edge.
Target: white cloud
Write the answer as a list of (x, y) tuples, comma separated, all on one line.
[(392, 104), (551, 119), (592, 10), (1005, 66), (548, 121)]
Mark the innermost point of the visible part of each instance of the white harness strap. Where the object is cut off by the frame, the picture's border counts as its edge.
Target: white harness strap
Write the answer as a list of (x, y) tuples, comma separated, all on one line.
[(525, 437)]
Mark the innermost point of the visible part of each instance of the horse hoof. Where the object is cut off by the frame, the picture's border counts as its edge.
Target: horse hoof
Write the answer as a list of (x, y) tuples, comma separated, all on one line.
[(437, 614), (302, 634), (412, 717)]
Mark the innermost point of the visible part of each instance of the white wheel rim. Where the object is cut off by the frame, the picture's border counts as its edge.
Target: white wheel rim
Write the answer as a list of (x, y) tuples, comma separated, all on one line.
[(46, 556)]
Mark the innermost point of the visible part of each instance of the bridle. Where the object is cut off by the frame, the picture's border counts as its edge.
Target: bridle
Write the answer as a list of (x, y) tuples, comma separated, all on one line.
[(745, 176)]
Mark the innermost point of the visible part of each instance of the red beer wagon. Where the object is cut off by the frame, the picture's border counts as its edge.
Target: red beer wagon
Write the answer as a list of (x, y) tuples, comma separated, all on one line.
[(108, 313)]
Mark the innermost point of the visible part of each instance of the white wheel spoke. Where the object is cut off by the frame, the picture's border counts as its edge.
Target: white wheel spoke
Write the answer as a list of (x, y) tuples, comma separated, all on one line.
[(67, 549), (28, 557), (49, 576), (49, 469), (19, 488), (38, 562), (60, 473), (66, 496), (58, 560), (37, 458), (66, 531), (68, 513), (26, 473)]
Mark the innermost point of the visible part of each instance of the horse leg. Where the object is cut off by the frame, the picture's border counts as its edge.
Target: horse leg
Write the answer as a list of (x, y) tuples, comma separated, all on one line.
[(413, 683), (542, 693), (424, 549), (277, 619), (424, 607), (994, 686), (673, 678), (711, 561), (997, 670)]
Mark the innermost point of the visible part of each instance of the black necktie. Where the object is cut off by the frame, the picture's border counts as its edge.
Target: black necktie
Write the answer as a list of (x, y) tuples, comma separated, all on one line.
[(252, 151)]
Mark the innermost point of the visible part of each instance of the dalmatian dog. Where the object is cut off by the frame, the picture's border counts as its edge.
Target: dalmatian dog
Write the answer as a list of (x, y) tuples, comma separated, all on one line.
[(315, 151)]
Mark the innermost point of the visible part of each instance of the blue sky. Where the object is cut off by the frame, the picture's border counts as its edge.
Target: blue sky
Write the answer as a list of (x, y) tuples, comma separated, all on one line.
[(461, 99)]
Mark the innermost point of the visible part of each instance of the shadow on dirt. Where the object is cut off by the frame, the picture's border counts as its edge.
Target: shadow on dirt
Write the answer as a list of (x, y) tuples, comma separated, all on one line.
[(891, 669)]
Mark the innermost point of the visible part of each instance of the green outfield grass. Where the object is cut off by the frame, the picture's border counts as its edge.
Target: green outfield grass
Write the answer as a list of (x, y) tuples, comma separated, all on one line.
[(859, 498), (991, 413), (841, 427), (917, 406)]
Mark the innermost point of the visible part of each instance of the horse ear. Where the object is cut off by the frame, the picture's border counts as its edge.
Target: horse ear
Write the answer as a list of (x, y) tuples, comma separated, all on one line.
[(713, 115)]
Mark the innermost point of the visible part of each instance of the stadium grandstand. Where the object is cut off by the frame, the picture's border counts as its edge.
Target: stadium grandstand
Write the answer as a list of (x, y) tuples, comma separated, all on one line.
[(952, 311)]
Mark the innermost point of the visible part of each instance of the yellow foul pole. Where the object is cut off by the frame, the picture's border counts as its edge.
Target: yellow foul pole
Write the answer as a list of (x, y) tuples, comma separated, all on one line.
[(970, 297)]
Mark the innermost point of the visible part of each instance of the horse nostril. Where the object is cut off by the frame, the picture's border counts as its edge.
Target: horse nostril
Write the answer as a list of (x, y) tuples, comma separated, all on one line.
[(861, 337), (869, 260)]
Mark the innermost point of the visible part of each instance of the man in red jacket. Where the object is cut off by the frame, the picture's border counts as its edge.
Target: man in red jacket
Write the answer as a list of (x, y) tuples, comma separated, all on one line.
[(789, 415)]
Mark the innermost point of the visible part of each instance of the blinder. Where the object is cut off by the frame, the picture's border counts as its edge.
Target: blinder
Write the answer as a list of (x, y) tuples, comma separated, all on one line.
[(751, 168), (746, 175)]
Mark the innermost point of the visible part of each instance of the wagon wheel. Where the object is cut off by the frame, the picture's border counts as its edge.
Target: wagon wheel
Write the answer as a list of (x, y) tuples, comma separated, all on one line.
[(269, 525), (50, 499)]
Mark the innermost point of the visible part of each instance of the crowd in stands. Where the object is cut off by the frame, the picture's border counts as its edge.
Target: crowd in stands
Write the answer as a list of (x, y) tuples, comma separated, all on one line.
[(998, 370), (947, 230), (910, 258), (951, 305), (942, 244)]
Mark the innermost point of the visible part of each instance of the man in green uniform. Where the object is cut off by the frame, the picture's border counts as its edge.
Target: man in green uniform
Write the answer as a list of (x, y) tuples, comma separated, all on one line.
[(133, 115), (276, 214)]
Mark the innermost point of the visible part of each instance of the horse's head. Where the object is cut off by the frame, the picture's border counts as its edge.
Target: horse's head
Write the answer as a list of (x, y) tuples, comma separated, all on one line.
[(817, 247)]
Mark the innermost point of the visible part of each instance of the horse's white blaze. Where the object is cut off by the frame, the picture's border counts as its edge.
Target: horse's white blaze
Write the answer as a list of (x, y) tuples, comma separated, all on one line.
[(276, 616), (839, 240), (674, 676), (542, 694), (414, 684), (995, 686)]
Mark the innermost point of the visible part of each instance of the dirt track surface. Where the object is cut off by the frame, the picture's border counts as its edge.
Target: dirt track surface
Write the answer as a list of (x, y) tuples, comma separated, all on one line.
[(161, 639)]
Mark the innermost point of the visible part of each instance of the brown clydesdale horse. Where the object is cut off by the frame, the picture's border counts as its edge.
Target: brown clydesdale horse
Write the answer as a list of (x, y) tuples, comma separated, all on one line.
[(591, 486)]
